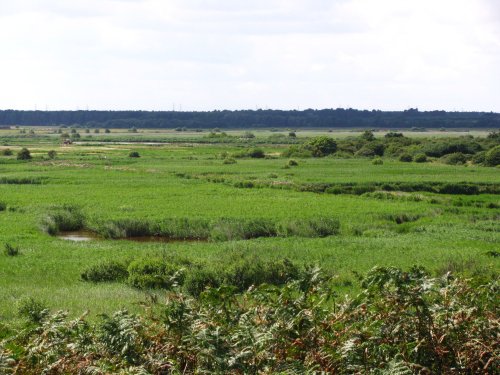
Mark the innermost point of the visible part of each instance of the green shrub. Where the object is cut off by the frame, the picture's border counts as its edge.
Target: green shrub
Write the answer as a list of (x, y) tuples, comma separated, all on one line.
[(406, 158), (391, 135), (254, 271), (24, 154), (297, 152), (367, 135), (492, 157), (292, 163), (105, 272), (199, 279), (6, 152), (255, 153), (440, 148), (479, 158), (371, 149), (420, 158), (154, 274), (134, 154), (52, 154), (34, 310), (229, 161), (455, 158), (321, 146), (292, 134), (377, 161), (11, 251), (3, 206)]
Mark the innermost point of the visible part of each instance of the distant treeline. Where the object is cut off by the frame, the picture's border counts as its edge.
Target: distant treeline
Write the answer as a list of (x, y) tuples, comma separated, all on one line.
[(310, 118)]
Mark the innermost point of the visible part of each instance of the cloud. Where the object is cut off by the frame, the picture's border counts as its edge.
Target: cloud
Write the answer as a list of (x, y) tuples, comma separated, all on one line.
[(148, 54)]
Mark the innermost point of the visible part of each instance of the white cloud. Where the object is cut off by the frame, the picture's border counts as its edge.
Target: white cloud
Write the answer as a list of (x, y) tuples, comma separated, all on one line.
[(148, 54)]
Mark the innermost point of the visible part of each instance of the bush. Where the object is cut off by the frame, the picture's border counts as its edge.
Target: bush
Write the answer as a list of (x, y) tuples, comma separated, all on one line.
[(34, 310), (134, 154), (377, 161), (456, 158), (248, 135), (105, 272), (292, 134), (197, 280), (292, 163), (24, 154), (297, 151), (254, 271), (256, 153), (391, 135), (11, 251), (322, 146), (229, 161), (371, 149), (154, 274), (492, 157), (7, 152), (368, 136), (52, 154), (406, 158), (479, 158), (420, 158), (3, 206), (441, 148)]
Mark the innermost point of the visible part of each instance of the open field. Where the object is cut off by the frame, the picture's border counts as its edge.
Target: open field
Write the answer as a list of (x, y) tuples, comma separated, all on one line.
[(248, 252), (441, 232)]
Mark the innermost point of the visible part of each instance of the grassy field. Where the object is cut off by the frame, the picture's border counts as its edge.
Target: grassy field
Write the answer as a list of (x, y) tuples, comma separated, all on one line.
[(190, 180)]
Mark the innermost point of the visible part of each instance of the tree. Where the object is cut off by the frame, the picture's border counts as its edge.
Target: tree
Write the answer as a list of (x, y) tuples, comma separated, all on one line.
[(24, 154), (52, 154), (368, 135), (322, 146)]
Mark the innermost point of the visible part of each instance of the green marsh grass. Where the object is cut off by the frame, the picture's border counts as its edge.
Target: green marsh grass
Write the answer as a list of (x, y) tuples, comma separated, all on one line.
[(145, 195)]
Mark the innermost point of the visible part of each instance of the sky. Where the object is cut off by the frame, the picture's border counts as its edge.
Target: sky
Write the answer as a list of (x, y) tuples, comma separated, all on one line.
[(247, 54)]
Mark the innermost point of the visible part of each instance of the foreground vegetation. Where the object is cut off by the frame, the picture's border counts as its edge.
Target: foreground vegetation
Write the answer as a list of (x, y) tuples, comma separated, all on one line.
[(218, 236), (401, 322)]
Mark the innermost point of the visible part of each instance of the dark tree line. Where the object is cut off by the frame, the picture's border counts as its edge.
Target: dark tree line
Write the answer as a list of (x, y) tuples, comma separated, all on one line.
[(310, 118)]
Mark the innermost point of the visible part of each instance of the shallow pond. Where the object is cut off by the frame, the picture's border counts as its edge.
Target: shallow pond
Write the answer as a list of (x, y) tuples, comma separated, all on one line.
[(84, 235)]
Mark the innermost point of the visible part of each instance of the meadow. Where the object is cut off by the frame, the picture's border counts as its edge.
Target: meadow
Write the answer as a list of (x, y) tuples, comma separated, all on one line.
[(211, 206)]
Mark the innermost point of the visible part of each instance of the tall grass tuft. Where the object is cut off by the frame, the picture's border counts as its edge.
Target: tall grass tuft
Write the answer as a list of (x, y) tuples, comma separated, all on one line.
[(227, 229), (312, 227), (10, 250), (106, 272), (64, 218)]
